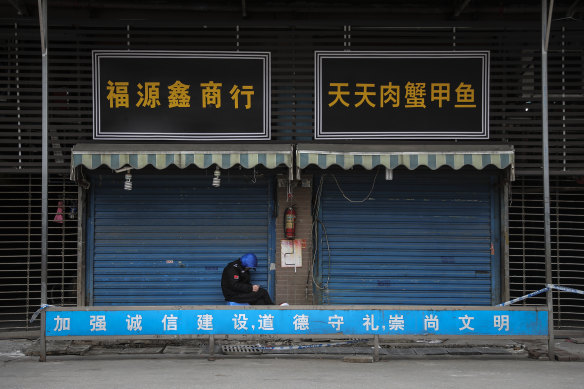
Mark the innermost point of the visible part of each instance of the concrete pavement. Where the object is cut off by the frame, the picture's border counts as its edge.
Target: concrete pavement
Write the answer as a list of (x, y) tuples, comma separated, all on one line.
[(570, 349), (186, 364), (147, 371)]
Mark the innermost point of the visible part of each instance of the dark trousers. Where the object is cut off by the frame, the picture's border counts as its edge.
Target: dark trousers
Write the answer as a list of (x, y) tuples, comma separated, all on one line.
[(261, 297)]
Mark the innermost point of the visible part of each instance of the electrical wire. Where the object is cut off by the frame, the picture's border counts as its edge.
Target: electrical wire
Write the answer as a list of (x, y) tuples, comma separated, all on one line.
[(315, 208), (365, 198), (316, 222)]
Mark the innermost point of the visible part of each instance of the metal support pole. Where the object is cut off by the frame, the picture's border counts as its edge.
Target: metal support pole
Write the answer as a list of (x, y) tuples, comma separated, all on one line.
[(44, 170), (546, 173), (43, 339), (376, 348), (211, 348)]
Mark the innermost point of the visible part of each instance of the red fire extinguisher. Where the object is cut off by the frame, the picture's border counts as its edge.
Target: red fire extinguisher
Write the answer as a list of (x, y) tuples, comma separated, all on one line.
[(290, 223)]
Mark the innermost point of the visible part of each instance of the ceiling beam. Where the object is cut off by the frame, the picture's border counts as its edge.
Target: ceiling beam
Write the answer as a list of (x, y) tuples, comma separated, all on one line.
[(549, 24), (20, 7), (572, 9), (461, 8)]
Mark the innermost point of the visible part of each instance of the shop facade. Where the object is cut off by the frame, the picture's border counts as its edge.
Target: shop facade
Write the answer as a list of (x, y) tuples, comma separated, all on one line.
[(411, 232), (387, 212), (161, 234)]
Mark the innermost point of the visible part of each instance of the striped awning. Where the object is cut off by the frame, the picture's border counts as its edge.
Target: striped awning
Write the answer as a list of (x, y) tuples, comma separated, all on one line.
[(138, 156), (410, 156)]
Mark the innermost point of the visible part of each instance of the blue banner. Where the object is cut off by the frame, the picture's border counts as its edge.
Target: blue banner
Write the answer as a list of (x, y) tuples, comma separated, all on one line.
[(295, 322)]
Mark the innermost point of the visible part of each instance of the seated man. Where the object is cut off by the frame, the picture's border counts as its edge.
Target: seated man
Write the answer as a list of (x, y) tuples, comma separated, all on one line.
[(236, 283)]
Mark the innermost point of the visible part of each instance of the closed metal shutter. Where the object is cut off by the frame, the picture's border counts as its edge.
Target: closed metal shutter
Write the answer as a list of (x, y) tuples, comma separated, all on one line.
[(167, 241), (422, 238)]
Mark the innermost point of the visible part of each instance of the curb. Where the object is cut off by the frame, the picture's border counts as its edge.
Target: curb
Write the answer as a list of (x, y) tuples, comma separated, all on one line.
[(357, 353)]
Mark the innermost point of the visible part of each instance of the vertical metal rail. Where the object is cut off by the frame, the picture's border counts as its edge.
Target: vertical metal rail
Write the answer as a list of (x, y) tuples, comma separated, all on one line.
[(81, 199), (45, 170), (504, 222), (545, 30), (62, 294), (523, 243), (29, 222), (556, 249), (18, 106)]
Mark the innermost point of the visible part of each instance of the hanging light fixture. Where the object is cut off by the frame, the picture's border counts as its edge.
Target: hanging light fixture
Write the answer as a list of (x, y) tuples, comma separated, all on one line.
[(128, 182), (127, 177), (216, 179)]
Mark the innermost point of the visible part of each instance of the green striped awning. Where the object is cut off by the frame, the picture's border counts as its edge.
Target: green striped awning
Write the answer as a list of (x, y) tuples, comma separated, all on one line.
[(412, 157), (138, 156)]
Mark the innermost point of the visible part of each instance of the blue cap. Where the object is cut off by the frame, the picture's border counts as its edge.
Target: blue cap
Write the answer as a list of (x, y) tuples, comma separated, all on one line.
[(249, 260)]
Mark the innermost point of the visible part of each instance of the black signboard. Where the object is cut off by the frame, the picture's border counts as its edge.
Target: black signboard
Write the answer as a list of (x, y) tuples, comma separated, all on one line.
[(402, 95), (181, 95)]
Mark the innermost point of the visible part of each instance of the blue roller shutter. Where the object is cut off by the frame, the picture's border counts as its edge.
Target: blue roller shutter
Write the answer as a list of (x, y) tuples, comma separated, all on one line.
[(166, 241), (427, 238)]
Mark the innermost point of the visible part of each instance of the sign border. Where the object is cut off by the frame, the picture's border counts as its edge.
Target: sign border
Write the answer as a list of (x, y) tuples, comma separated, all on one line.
[(264, 56), (283, 316), (319, 55)]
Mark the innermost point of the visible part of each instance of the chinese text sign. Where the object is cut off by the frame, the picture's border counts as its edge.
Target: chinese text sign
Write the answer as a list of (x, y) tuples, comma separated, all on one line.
[(181, 95), (401, 95), (296, 321)]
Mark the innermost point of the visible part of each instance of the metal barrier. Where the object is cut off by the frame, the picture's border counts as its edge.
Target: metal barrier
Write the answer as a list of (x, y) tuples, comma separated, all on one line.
[(543, 290), (172, 322), (548, 287)]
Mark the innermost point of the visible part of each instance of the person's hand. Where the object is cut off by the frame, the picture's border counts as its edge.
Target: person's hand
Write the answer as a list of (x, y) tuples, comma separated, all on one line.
[(256, 288)]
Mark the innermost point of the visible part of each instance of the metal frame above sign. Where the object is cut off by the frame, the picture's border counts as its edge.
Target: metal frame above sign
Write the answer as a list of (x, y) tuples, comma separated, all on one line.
[(401, 95), (177, 95)]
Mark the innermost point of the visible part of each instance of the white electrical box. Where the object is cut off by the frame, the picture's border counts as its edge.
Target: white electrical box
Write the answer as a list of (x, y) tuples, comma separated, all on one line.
[(291, 253)]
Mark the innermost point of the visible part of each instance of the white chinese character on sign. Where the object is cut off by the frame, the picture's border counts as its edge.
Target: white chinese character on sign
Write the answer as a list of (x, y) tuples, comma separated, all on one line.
[(205, 322), (266, 322), (396, 322), (97, 323), (170, 322), (431, 322), (63, 323), (369, 323), (501, 321), (134, 323), (336, 322), (466, 322), (300, 322), (239, 321)]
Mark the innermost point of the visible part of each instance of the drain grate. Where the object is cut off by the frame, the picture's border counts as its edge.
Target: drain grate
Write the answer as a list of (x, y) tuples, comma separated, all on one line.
[(240, 349)]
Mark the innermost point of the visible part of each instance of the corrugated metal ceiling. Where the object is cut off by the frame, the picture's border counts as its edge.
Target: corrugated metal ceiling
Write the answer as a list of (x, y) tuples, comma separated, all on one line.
[(502, 10)]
